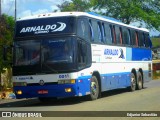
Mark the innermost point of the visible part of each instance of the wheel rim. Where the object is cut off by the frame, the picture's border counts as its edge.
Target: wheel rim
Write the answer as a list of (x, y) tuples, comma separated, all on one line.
[(140, 82), (133, 81), (93, 88)]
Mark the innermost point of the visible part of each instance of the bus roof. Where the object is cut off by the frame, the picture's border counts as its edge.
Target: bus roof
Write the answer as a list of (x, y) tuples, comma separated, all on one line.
[(88, 14)]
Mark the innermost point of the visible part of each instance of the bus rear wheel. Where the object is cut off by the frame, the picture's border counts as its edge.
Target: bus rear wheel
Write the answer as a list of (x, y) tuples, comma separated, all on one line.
[(139, 81), (133, 82), (94, 88)]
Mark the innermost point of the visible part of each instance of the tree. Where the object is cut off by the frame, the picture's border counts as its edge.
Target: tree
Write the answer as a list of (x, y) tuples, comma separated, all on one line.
[(6, 38), (128, 11), (75, 5)]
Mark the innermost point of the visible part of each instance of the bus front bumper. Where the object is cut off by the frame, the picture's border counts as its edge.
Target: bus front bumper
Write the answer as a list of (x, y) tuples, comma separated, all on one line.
[(64, 90)]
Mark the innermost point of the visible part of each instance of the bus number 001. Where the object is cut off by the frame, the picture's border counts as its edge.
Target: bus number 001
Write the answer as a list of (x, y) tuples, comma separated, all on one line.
[(64, 76)]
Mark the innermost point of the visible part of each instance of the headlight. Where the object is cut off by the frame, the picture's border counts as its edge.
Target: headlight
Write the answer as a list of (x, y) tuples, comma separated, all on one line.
[(66, 81)]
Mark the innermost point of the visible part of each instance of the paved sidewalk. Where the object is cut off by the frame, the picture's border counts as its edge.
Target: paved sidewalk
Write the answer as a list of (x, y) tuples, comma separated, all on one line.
[(3, 101)]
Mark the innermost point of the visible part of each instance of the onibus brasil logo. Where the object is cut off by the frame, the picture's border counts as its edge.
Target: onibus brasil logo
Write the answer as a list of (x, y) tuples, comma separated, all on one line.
[(59, 26)]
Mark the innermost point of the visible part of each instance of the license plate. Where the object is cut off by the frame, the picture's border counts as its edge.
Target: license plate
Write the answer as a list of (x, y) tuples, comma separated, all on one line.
[(42, 91)]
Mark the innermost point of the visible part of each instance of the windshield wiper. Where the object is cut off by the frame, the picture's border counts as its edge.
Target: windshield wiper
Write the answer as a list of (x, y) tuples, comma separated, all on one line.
[(50, 68), (57, 61)]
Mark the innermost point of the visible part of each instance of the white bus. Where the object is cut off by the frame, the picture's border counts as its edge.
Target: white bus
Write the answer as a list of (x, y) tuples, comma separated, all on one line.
[(70, 54)]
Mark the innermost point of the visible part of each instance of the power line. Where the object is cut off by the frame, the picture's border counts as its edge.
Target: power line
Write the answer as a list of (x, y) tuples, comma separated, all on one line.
[(10, 7)]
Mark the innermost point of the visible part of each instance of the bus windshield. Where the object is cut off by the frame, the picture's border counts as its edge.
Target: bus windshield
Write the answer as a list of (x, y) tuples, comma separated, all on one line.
[(27, 53), (52, 51), (57, 51), (51, 54)]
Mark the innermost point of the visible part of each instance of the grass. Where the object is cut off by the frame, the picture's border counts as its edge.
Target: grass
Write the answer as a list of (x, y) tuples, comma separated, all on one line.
[(156, 75)]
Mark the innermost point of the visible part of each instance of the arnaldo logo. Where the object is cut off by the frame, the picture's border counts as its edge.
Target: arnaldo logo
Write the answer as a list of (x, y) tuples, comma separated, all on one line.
[(59, 26), (111, 53), (121, 54)]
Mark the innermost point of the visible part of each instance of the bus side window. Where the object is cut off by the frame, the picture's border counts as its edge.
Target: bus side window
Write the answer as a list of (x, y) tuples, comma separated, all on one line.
[(103, 33), (126, 36), (114, 34), (95, 31), (136, 34), (140, 42), (91, 31), (99, 33), (118, 33), (121, 36), (146, 39), (108, 31), (133, 37), (82, 29), (84, 54), (129, 37)]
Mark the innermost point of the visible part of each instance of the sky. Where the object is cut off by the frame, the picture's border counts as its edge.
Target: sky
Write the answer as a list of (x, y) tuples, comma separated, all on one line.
[(29, 7), (33, 7)]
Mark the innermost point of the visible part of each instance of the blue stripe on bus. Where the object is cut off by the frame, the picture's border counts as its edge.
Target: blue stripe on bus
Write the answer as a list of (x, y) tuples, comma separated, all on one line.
[(139, 54), (109, 18), (108, 82), (81, 88), (115, 80)]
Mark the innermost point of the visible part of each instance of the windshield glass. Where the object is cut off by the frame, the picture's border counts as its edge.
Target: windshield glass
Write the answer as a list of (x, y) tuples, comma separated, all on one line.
[(57, 51), (46, 55), (27, 53)]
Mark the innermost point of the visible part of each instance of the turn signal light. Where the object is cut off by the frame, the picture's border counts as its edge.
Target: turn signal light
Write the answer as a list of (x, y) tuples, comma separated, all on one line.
[(68, 90), (19, 92)]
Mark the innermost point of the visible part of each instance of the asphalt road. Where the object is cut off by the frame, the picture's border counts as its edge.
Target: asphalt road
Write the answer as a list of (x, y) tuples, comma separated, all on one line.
[(147, 99)]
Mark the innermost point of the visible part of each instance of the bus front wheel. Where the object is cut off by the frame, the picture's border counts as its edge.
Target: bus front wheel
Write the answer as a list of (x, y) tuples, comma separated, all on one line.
[(94, 88)]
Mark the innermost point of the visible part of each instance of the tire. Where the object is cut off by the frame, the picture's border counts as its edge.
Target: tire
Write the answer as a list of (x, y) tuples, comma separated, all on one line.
[(133, 82), (47, 99), (94, 88), (139, 81)]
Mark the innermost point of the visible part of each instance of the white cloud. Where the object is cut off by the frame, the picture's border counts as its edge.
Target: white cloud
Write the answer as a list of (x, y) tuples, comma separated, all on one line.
[(30, 13), (54, 8), (29, 7), (24, 14), (8, 7), (40, 11)]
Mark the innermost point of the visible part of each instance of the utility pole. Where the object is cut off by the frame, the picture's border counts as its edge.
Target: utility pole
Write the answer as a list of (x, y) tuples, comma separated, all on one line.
[(15, 10), (0, 33), (0, 8)]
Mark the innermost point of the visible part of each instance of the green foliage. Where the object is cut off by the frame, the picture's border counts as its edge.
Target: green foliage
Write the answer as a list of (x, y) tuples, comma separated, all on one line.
[(75, 5), (6, 38), (144, 11), (128, 11), (156, 42), (156, 75)]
